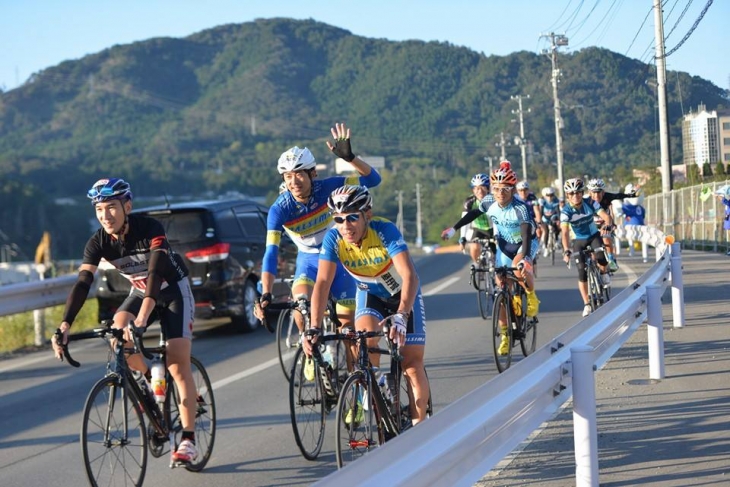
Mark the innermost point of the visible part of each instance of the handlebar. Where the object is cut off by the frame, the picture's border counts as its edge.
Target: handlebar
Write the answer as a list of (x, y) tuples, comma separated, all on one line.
[(106, 329)]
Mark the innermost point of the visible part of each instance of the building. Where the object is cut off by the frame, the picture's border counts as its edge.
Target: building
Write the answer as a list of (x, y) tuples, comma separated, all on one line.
[(723, 119), (701, 137)]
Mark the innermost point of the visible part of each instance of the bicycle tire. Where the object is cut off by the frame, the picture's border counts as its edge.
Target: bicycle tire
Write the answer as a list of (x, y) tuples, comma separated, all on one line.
[(593, 287), (306, 408), (287, 341), (501, 306), (205, 415), (356, 438), (406, 398), (482, 293), (113, 435), (528, 329)]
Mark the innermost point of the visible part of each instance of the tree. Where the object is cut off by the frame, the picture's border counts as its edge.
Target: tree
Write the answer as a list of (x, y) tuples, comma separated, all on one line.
[(706, 170)]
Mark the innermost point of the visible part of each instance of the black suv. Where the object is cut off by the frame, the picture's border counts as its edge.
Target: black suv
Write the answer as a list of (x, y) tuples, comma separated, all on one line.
[(222, 243)]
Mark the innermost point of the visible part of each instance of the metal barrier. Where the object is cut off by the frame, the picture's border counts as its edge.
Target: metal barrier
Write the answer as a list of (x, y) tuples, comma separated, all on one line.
[(464, 441)]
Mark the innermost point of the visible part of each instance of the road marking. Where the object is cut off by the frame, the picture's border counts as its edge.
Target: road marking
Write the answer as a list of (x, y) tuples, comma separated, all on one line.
[(442, 286), (40, 358), (633, 277)]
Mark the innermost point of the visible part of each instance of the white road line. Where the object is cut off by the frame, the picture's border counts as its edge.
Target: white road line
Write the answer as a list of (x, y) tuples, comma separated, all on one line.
[(40, 358), (442, 286)]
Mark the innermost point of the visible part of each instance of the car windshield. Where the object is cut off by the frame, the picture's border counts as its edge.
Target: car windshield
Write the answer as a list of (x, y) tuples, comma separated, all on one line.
[(184, 226)]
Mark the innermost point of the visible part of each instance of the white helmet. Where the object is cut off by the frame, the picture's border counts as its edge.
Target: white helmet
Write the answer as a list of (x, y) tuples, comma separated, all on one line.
[(629, 189), (596, 184), (296, 159), (548, 191), (522, 185)]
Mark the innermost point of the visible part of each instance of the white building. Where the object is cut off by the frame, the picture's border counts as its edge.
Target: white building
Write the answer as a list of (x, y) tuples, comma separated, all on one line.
[(701, 137)]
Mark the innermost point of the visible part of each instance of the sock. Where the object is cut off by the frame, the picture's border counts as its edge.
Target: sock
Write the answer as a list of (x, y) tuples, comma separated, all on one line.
[(189, 435)]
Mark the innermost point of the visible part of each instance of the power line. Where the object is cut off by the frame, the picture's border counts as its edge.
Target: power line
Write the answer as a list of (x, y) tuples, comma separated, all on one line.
[(681, 16), (691, 30), (639, 31)]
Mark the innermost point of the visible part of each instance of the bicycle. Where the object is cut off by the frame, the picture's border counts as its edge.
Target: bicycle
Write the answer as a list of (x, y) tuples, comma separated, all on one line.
[(371, 412), (288, 337), (312, 399), (510, 306), (552, 242), (114, 438), (598, 292), (481, 277)]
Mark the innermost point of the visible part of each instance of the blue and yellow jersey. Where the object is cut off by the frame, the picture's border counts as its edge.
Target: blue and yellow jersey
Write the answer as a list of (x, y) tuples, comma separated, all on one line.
[(370, 264), (306, 223), (580, 219)]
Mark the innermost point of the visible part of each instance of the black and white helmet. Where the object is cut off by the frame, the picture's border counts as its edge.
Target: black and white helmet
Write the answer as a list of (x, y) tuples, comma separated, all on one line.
[(296, 159), (596, 184), (350, 199), (574, 185)]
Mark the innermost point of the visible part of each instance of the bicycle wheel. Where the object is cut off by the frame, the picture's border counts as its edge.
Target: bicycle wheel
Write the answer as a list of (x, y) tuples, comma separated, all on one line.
[(205, 415), (501, 309), (528, 333), (406, 399), (113, 436), (594, 287), (287, 340), (480, 278), (357, 424), (306, 408)]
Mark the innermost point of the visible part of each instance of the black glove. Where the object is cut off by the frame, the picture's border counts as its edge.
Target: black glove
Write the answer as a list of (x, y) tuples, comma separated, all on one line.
[(343, 150), (462, 241), (607, 228), (266, 298), (567, 253)]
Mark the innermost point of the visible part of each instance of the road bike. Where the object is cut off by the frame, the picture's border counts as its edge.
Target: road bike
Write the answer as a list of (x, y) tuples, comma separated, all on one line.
[(552, 242), (598, 292), (371, 411), (114, 437), (510, 318), (314, 383), (481, 277)]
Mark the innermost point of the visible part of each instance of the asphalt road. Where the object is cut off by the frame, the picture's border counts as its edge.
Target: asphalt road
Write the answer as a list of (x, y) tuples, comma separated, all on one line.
[(42, 399)]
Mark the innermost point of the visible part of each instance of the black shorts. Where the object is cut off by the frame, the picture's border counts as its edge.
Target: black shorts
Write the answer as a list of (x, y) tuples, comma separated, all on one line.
[(175, 309)]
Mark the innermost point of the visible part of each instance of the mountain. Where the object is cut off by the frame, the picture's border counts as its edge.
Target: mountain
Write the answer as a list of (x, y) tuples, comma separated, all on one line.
[(213, 111)]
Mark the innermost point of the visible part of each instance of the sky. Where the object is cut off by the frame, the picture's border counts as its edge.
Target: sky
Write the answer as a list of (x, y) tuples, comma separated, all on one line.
[(36, 34)]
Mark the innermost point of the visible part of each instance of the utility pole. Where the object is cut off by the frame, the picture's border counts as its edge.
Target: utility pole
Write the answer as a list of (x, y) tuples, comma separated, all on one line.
[(399, 218), (523, 147), (557, 40), (661, 79), (419, 238), (502, 144), (489, 160)]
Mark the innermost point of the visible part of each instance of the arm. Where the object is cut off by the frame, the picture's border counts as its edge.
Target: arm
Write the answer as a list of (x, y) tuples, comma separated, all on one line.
[(565, 236), (159, 266), (605, 216), (325, 276), (404, 267), (74, 302), (343, 149)]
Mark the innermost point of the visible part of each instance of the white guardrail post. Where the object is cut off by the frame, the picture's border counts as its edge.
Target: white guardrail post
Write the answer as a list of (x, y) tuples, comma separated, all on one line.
[(585, 429), (677, 286), (655, 331)]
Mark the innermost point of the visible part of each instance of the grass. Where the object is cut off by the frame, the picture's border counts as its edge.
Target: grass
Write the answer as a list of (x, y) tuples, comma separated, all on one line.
[(17, 332)]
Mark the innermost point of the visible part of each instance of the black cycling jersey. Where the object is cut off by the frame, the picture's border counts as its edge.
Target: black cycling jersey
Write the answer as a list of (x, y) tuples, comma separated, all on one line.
[(132, 255)]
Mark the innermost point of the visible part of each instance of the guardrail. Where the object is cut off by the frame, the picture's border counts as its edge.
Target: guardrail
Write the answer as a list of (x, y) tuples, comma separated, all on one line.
[(464, 441)]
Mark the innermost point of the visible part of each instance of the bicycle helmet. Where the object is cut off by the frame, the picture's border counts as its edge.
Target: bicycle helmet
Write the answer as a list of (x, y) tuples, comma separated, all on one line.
[(480, 179), (296, 159), (522, 185), (596, 184), (109, 189), (350, 199), (574, 185), (723, 191), (548, 191), (504, 174)]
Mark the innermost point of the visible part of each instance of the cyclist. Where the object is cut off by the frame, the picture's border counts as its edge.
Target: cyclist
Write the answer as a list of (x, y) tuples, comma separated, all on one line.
[(479, 228), (513, 226), (533, 205), (137, 246), (301, 211), (578, 215), (374, 253), (597, 187), (550, 210)]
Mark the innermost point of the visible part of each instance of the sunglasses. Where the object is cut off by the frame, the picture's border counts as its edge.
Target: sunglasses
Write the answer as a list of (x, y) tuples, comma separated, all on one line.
[(97, 191), (573, 193), (501, 190), (352, 218)]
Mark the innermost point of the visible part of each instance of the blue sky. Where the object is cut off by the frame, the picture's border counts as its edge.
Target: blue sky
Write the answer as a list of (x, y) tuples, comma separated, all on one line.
[(36, 34)]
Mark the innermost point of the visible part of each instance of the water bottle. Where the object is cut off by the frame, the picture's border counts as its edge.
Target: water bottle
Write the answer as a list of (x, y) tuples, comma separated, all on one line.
[(327, 351), (145, 386), (383, 383), (158, 380)]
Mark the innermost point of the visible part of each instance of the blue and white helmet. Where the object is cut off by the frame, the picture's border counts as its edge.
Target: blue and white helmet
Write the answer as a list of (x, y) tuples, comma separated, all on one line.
[(480, 179), (296, 159), (109, 189)]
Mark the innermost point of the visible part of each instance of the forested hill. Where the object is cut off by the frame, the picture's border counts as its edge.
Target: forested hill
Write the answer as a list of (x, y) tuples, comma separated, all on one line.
[(213, 111)]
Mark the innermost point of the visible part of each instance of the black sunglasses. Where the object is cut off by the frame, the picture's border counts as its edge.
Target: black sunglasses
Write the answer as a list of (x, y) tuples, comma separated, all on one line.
[(571, 193), (352, 218)]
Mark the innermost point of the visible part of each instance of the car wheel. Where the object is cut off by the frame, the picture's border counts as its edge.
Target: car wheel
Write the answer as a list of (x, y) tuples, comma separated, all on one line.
[(247, 322)]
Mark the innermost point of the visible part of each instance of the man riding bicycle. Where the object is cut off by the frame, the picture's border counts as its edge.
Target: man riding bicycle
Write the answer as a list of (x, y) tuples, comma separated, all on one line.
[(550, 210), (578, 215), (597, 187), (517, 243), (137, 246), (301, 211), (479, 228), (374, 252)]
